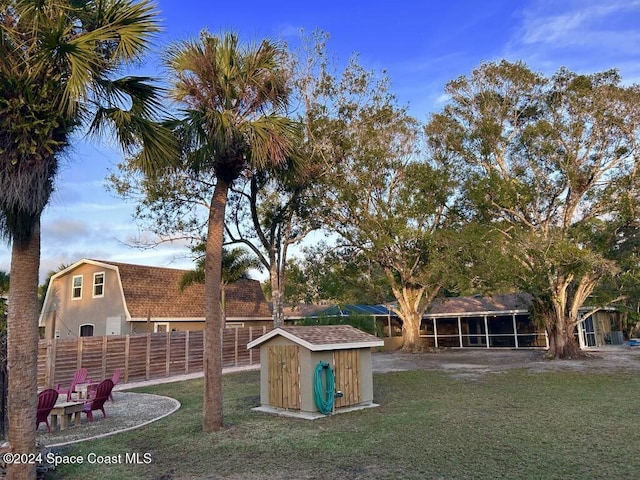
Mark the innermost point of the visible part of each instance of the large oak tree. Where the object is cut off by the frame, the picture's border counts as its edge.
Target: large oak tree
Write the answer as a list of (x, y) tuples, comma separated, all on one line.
[(547, 159), (386, 196)]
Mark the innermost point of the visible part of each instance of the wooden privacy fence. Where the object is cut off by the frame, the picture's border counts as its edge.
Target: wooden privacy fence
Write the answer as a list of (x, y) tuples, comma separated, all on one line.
[(140, 356)]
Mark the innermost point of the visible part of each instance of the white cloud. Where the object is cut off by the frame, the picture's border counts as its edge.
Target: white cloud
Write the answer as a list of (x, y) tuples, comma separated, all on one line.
[(584, 36), (586, 24)]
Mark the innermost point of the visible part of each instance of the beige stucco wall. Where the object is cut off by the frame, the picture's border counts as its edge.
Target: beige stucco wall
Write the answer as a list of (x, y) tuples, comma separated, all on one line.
[(366, 375), (177, 325), (308, 361), (70, 313)]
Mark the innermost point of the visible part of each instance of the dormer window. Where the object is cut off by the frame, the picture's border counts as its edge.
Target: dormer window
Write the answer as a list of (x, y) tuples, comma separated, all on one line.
[(98, 285), (76, 287)]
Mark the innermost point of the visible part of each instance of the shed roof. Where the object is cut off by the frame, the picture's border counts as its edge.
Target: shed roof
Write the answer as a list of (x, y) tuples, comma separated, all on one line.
[(322, 337)]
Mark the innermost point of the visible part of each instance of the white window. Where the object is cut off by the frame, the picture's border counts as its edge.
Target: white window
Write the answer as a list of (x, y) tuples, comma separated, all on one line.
[(161, 327), (98, 285), (76, 287), (234, 325)]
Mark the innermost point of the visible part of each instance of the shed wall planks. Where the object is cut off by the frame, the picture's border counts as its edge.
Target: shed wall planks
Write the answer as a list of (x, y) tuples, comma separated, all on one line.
[(346, 364)]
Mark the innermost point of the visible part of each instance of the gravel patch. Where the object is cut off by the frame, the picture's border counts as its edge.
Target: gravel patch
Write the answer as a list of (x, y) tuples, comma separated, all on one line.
[(127, 412), (480, 361)]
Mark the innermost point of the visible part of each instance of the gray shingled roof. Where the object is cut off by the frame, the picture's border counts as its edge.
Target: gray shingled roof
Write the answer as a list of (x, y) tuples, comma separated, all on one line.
[(323, 337), (154, 292), (477, 304)]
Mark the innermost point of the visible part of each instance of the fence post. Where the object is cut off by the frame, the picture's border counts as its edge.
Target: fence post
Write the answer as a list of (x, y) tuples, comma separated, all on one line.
[(168, 353), (186, 352), (79, 358), (50, 363), (235, 351), (148, 362), (104, 357), (127, 344)]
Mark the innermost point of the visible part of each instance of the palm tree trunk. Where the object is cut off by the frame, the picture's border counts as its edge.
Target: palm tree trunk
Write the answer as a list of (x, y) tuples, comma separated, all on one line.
[(212, 402), (22, 352)]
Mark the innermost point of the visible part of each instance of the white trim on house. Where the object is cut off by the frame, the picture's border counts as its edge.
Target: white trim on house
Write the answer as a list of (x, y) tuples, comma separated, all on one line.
[(476, 314), (194, 319)]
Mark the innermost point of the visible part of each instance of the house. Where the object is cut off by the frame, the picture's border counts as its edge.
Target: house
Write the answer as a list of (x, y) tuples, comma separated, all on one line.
[(96, 297), (292, 362), (503, 321)]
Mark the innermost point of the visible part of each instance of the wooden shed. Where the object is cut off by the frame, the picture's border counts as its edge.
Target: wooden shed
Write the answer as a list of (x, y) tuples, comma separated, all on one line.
[(289, 357)]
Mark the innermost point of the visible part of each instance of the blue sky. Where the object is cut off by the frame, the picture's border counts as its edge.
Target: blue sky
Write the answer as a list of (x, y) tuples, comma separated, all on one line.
[(420, 43)]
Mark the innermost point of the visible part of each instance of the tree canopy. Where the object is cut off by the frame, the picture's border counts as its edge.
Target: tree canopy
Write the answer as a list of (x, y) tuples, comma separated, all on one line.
[(546, 161)]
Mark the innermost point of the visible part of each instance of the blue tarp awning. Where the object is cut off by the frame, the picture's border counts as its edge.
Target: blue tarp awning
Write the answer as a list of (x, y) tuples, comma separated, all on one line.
[(346, 310)]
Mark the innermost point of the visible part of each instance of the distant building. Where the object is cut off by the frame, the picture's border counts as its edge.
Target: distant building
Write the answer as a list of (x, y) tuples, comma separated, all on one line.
[(96, 297), (504, 321), (477, 321)]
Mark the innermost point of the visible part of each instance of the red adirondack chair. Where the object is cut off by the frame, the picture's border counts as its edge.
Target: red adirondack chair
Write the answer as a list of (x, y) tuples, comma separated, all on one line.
[(79, 377), (97, 399), (46, 401), (114, 379)]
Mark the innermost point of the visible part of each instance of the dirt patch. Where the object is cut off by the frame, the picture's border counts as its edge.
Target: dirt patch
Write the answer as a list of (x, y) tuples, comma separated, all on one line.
[(478, 361)]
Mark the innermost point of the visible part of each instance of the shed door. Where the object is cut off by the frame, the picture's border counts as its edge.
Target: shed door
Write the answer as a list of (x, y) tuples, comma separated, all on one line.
[(346, 364), (284, 374)]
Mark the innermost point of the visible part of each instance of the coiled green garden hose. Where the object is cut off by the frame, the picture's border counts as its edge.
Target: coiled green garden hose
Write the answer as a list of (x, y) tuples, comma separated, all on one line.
[(324, 390)]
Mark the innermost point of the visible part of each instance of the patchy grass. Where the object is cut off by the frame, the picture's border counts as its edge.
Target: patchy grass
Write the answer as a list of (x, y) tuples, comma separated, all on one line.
[(515, 424)]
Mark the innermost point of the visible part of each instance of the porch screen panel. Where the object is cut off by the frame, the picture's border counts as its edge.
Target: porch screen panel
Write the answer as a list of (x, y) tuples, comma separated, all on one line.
[(427, 332), (530, 334), (473, 332), (448, 334), (501, 331)]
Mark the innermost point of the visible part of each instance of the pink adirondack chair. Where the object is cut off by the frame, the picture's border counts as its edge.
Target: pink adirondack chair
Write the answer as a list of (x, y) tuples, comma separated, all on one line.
[(79, 377), (114, 379), (46, 401), (97, 399)]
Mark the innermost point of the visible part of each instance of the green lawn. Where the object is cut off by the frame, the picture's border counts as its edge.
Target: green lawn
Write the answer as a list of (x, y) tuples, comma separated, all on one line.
[(511, 425)]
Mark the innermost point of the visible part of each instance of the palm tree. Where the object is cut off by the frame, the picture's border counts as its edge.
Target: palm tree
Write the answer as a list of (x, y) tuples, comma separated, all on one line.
[(58, 76), (231, 96), (4, 290), (236, 264)]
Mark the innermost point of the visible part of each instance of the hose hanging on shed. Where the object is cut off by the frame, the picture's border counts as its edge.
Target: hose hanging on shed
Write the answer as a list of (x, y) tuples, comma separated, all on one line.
[(324, 391)]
